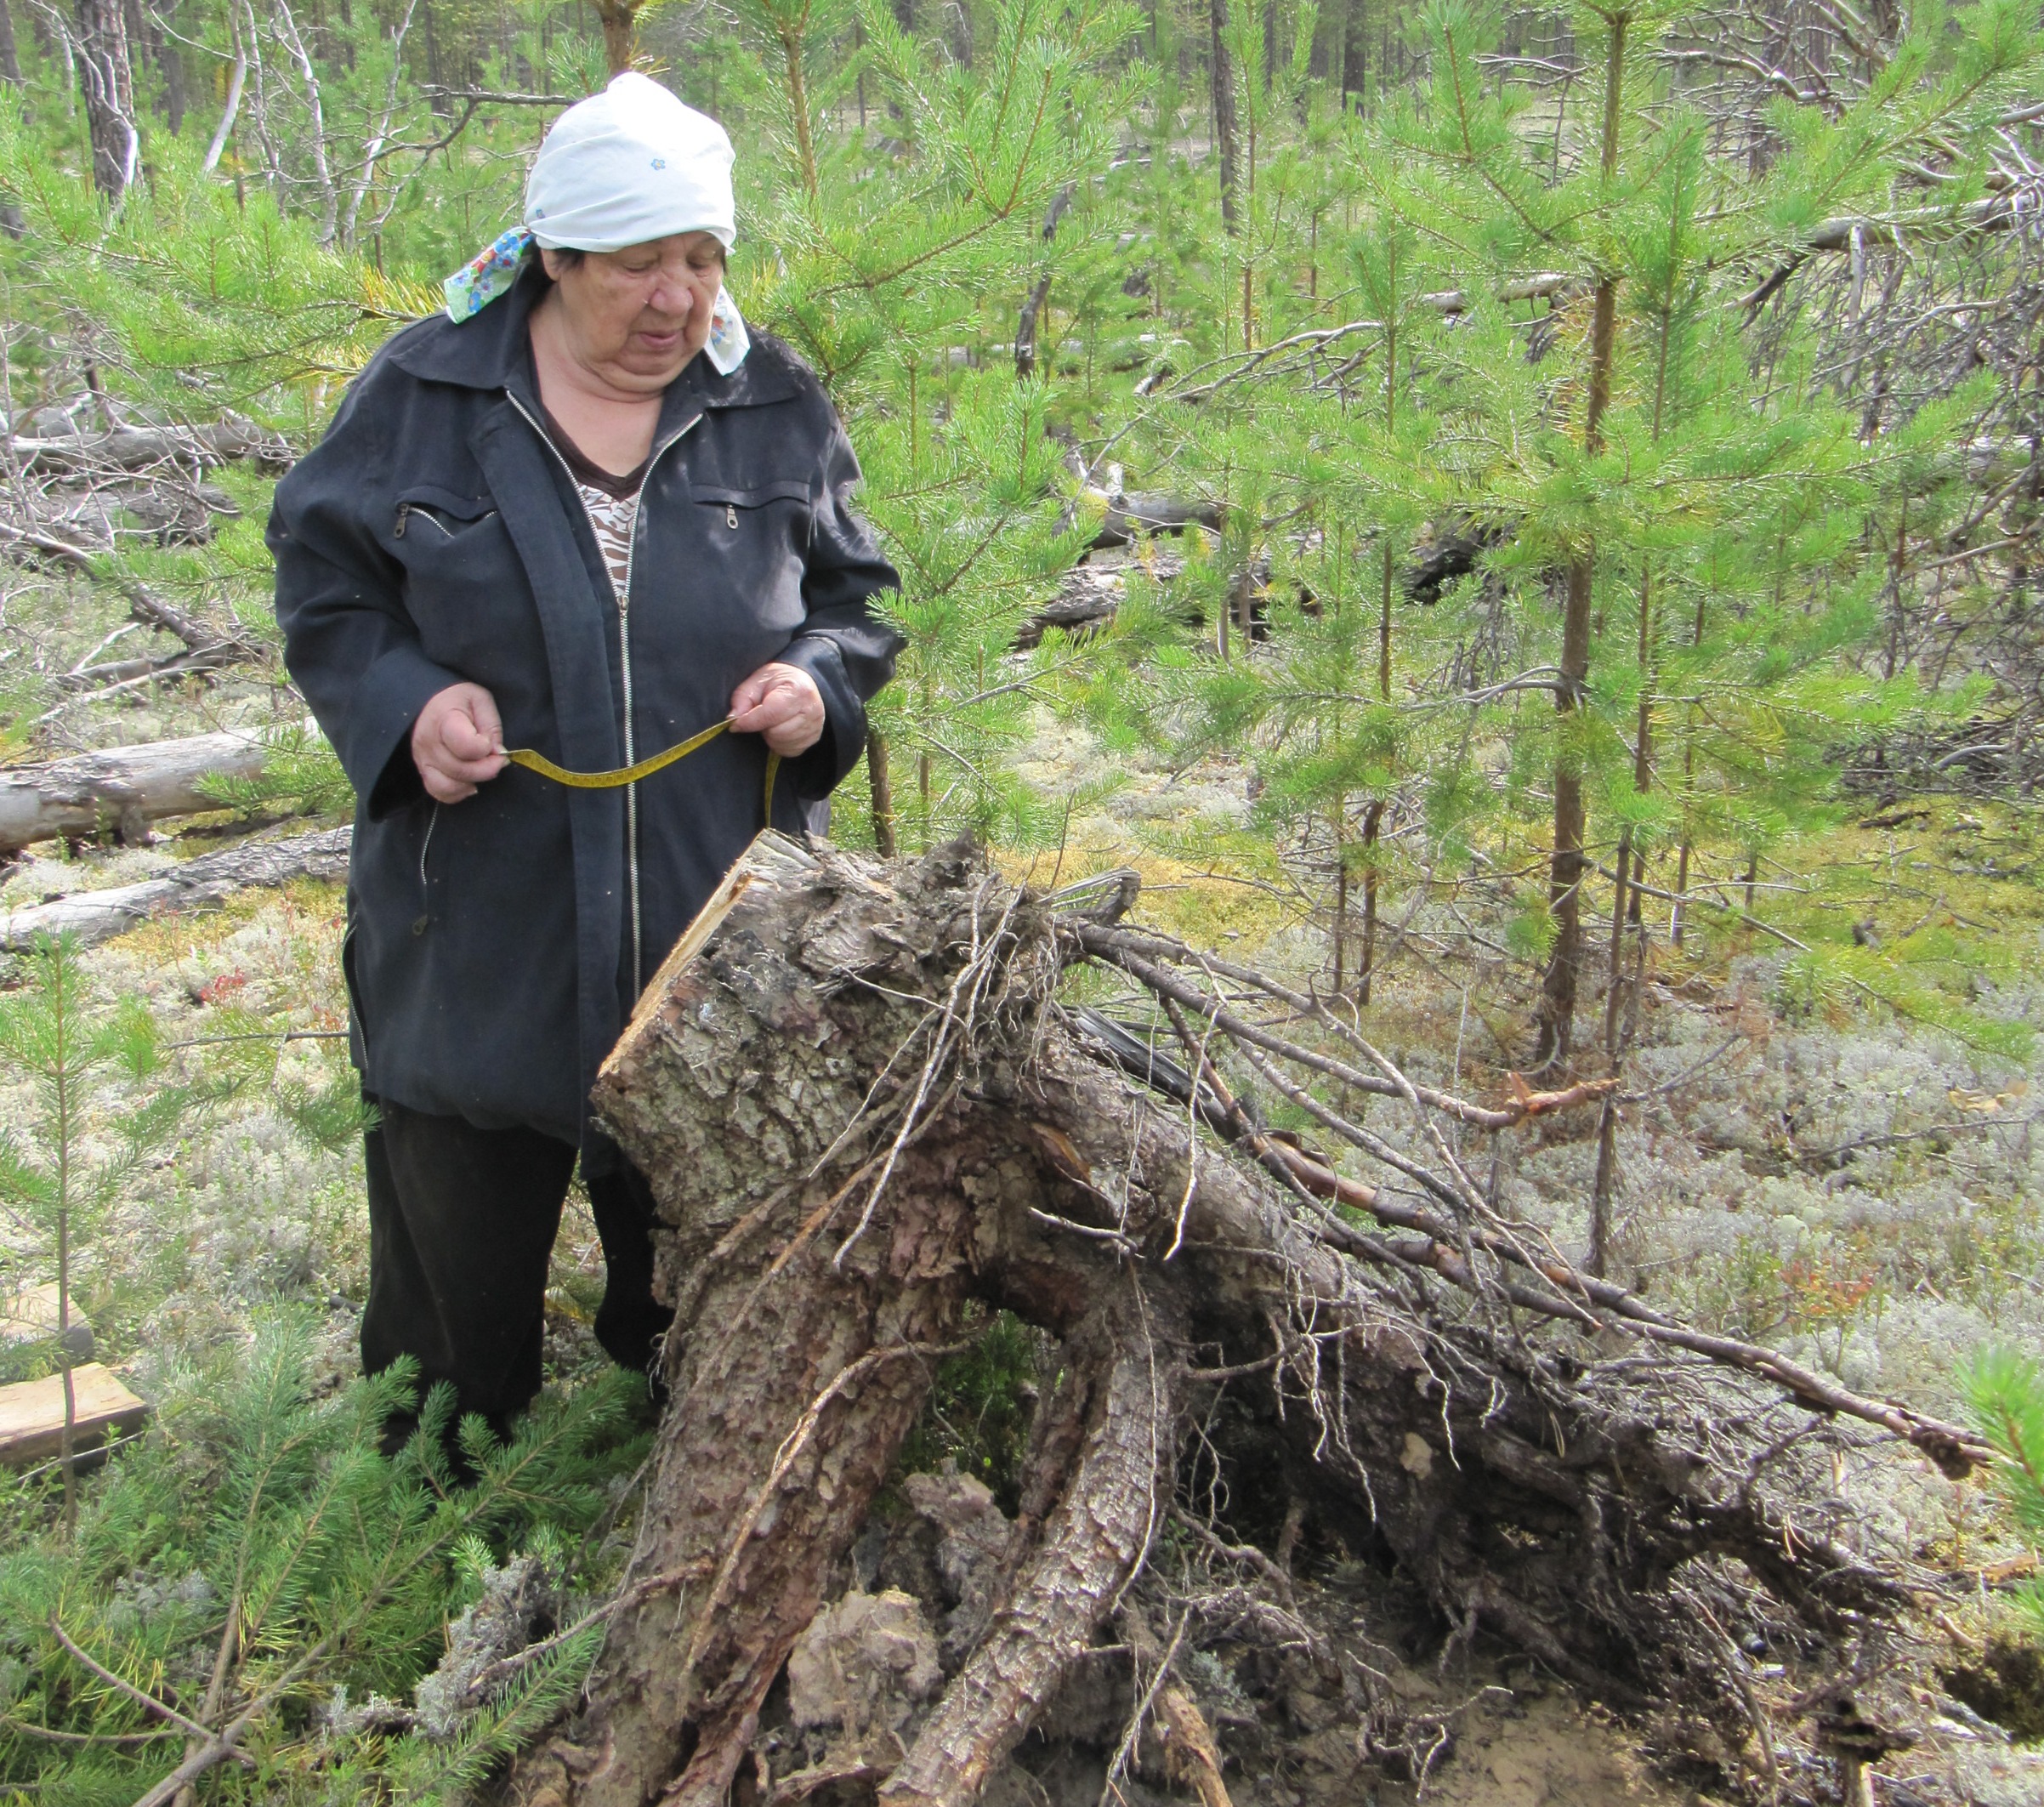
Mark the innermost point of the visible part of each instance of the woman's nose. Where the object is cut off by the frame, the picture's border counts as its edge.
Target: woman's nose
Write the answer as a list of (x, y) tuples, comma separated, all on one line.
[(674, 295)]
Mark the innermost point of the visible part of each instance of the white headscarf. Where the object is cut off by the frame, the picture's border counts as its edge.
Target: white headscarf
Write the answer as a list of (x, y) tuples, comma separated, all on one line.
[(622, 168), (629, 165)]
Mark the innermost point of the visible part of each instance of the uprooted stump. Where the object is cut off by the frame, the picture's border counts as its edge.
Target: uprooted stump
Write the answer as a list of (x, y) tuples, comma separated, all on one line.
[(866, 1114)]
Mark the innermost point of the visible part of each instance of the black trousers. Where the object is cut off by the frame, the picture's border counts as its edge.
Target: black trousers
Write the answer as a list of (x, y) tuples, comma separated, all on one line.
[(462, 1223)]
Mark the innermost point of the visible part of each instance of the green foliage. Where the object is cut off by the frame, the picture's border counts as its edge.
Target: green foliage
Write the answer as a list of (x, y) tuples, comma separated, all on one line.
[(301, 775), (258, 1527), (980, 1408), (2004, 1391), (89, 1068), (103, 1097)]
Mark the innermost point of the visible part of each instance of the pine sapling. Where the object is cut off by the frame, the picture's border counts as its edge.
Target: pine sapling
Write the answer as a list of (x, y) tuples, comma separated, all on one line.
[(2005, 1394), (96, 1115)]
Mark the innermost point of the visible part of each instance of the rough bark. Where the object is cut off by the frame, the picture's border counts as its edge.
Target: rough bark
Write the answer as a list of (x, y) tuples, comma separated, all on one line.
[(107, 77), (123, 788), (1025, 327), (619, 22), (203, 883), (861, 1109)]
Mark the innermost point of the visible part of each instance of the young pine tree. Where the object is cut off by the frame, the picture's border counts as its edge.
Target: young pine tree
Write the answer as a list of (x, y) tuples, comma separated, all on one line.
[(95, 1109)]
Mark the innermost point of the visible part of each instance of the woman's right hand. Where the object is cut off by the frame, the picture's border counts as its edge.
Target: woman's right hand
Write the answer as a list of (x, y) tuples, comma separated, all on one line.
[(457, 743)]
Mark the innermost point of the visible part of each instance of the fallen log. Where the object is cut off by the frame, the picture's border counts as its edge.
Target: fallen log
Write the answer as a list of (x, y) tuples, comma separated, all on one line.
[(1086, 598), (121, 788), (867, 1122), (136, 448), (201, 883)]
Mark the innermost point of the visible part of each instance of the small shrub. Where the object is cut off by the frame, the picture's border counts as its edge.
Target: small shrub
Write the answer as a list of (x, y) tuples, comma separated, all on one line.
[(257, 1535)]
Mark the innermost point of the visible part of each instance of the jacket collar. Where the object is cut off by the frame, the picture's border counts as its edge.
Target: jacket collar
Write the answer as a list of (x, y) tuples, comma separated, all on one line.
[(488, 352)]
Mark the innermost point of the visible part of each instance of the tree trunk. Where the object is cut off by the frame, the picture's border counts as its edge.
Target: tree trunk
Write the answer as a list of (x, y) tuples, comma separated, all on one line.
[(1555, 1019), (860, 1115), (1373, 822), (1025, 327), (10, 59), (1373, 818), (619, 21), (882, 790), (108, 80), (1222, 68), (171, 58)]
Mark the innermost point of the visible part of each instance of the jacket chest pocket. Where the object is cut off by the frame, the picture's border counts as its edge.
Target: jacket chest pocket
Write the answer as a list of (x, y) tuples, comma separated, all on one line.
[(756, 537), (428, 515), (463, 581)]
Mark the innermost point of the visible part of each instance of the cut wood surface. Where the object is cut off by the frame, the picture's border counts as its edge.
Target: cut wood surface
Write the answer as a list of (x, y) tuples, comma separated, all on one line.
[(123, 788), (198, 884), (32, 1413)]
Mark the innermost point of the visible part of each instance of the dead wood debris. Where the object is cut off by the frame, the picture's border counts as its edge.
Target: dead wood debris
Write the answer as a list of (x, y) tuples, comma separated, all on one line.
[(123, 788), (203, 883), (79, 482)]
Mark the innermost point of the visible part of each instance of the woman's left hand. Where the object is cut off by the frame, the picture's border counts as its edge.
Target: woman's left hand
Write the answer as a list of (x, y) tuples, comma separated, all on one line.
[(782, 702)]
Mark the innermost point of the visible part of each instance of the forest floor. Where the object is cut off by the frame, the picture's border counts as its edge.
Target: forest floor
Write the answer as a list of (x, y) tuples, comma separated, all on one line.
[(1858, 1185)]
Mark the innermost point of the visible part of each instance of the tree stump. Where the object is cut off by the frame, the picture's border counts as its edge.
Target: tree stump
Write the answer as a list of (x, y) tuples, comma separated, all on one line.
[(862, 1108)]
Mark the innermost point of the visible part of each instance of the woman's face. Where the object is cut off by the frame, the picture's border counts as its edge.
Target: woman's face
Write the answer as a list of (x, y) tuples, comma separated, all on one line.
[(635, 318)]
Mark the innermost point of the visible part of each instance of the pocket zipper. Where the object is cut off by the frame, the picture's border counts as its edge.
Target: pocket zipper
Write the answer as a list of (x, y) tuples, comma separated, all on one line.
[(407, 509), (425, 887), (730, 514)]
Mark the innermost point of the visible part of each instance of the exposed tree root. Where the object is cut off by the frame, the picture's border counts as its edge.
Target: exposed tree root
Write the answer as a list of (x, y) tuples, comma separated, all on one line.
[(862, 1110), (1092, 1546)]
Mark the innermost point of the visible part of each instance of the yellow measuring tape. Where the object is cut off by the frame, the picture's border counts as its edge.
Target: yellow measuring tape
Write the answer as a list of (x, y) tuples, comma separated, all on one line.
[(538, 762)]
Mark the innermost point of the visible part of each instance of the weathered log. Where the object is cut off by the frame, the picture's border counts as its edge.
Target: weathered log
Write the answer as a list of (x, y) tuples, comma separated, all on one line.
[(138, 448), (1126, 517), (1089, 596), (1086, 596), (122, 788), (861, 1111), (201, 883)]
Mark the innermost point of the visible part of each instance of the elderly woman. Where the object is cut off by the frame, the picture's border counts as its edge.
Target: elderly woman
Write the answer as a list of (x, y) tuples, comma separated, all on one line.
[(584, 516)]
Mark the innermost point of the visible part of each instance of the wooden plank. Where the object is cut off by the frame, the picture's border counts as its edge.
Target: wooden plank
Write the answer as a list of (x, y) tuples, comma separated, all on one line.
[(32, 1413)]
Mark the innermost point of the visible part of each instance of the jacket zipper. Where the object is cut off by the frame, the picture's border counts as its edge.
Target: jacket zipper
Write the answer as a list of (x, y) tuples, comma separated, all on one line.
[(624, 648)]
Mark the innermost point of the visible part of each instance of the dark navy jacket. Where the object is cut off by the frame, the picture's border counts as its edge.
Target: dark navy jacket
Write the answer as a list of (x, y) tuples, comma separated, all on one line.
[(435, 536)]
